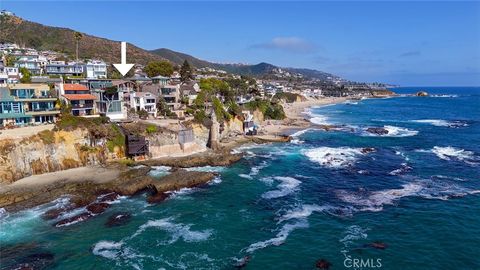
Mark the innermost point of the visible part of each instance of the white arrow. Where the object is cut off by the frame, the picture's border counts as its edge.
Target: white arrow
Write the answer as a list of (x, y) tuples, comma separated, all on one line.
[(123, 68)]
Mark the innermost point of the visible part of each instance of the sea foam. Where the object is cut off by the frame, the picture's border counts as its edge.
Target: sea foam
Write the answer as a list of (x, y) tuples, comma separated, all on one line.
[(107, 249), (177, 230), (393, 131), (442, 123), (319, 120), (374, 201), (280, 237), (449, 153), (287, 185), (330, 157), (304, 211)]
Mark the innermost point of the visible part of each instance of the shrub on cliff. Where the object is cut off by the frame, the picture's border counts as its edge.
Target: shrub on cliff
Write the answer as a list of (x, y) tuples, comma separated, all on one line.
[(115, 138), (275, 111), (151, 129), (47, 136), (70, 122), (269, 109), (220, 112), (200, 116)]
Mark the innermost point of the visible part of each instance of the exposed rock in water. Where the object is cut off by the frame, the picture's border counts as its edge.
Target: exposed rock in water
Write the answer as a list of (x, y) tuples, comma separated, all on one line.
[(157, 198), (98, 208), (223, 158), (118, 219), (53, 213), (323, 264), (329, 127), (182, 179), (25, 256), (421, 94), (35, 261), (378, 245), (377, 130), (78, 218), (367, 150), (110, 197), (56, 212), (243, 262), (84, 193)]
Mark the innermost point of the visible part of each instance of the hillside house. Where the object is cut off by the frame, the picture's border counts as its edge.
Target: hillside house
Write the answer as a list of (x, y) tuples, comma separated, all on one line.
[(79, 98), (64, 69), (29, 104), (96, 69)]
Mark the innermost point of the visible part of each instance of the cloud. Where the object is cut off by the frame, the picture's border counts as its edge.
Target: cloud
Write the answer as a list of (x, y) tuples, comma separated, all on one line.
[(287, 44), (410, 54)]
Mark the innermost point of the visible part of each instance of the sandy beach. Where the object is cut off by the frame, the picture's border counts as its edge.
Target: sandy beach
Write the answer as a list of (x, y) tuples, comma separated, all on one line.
[(91, 173), (296, 110), (270, 131), (296, 117)]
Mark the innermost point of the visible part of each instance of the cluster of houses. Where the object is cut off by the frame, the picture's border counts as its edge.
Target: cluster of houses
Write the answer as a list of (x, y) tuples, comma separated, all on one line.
[(45, 63), (82, 86), (120, 100)]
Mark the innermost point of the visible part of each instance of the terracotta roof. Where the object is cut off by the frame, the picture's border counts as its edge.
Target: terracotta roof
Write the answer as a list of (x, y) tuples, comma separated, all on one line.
[(74, 87), (80, 97)]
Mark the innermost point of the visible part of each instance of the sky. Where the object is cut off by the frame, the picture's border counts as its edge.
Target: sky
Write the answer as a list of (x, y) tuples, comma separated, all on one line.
[(407, 43)]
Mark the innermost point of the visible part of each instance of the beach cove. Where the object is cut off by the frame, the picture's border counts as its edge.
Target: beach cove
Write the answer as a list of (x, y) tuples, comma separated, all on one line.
[(345, 193)]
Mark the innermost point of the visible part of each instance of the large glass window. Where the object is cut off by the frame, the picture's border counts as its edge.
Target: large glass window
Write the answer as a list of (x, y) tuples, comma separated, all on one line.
[(10, 107), (115, 106)]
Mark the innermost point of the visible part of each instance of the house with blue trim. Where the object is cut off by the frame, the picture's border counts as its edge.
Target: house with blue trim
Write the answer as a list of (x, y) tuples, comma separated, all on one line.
[(27, 104)]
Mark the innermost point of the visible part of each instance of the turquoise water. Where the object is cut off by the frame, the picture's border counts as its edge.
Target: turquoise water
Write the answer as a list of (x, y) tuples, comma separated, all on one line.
[(288, 205)]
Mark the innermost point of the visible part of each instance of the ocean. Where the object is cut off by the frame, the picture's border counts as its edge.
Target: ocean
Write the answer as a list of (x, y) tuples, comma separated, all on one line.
[(408, 199)]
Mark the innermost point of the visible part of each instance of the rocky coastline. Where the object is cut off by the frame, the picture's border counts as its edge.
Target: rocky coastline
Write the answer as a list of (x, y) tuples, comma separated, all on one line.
[(85, 185)]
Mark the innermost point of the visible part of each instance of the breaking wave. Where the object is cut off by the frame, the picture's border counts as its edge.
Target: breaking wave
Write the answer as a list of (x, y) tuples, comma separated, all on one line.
[(443, 123), (206, 169), (403, 169), (351, 235), (280, 237), (287, 185), (107, 249), (177, 230), (159, 171), (434, 188), (319, 120), (113, 250), (255, 170), (393, 131), (453, 153), (330, 157), (444, 96)]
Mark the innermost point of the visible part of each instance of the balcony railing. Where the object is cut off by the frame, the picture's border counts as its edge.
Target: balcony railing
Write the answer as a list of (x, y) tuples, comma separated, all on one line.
[(82, 106), (41, 110)]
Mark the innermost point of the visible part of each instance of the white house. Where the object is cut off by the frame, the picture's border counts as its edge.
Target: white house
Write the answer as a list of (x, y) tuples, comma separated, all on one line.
[(62, 68), (13, 75), (96, 69), (34, 63), (144, 101)]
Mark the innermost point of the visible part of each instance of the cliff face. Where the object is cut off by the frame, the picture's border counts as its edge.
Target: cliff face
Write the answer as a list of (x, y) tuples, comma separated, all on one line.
[(47, 151), (167, 143)]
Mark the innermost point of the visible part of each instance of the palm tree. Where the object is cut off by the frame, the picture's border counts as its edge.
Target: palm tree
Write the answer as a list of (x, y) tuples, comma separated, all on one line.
[(78, 36)]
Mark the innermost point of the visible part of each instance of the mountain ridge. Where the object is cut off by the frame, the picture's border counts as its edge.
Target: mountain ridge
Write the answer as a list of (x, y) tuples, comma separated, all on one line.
[(43, 37)]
